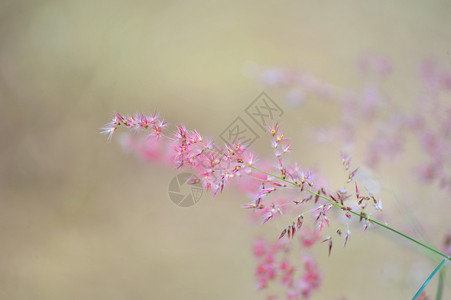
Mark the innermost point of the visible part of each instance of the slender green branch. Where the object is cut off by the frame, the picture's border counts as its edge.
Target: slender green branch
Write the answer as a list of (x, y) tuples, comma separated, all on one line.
[(441, 279), (384, 226), (360, 215), (428, 279)]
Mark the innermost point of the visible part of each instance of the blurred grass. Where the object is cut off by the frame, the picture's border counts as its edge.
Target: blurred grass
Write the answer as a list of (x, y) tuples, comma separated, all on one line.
[(80, 219)]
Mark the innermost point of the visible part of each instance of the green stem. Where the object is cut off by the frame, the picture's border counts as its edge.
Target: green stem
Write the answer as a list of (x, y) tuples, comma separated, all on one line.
[(427, 280), (385, 226), (441, 279), (360, 215)]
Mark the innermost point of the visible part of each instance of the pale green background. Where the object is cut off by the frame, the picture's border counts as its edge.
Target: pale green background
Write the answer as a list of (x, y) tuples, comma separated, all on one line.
[(79, 219)]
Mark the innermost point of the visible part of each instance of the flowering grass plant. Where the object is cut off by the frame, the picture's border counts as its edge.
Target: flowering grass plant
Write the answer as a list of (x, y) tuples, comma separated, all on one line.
[(307, 196), (301, 198)]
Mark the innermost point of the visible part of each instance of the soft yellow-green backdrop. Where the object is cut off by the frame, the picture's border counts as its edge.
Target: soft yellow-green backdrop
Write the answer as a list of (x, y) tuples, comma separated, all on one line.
[(79, 219)]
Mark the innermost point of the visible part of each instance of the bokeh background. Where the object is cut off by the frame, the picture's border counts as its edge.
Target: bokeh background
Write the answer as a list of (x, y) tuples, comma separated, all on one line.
[(81, 219)]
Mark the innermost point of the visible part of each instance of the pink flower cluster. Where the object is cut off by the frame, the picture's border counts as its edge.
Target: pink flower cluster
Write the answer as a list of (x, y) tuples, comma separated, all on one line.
[(274, 266), (136, 122), (215, 167), (281, 191)]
